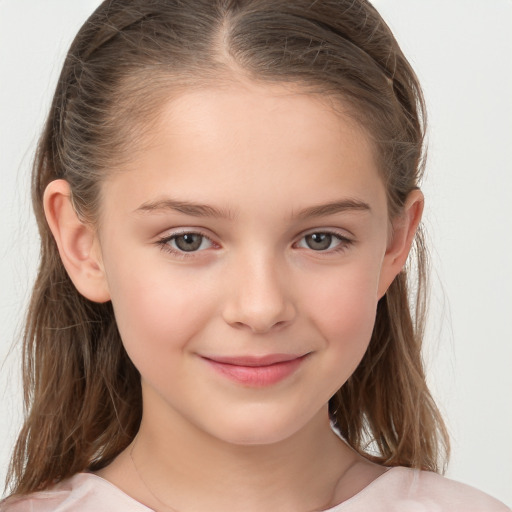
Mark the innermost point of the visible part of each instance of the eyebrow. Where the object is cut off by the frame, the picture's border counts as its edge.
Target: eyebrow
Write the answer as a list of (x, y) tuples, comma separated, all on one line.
[(185, 207), (204, 210), (323, 210)]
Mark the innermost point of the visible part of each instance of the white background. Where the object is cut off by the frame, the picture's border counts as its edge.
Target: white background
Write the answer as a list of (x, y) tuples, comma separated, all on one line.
[(462, 51)]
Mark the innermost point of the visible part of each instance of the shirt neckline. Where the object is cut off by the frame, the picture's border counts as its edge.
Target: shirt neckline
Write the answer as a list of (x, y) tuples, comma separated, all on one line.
[(337, 508)]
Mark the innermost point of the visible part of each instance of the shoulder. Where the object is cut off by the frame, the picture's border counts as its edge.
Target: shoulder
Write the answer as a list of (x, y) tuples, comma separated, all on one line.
[(452, 495), (81, 493), (409, 490)]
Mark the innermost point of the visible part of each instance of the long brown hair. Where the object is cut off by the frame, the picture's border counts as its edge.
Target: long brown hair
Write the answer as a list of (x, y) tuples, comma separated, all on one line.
[(82, 393)]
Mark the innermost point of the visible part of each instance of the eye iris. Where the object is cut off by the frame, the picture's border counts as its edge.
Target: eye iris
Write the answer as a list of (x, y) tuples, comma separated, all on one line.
[(319, 241), (188, 242)]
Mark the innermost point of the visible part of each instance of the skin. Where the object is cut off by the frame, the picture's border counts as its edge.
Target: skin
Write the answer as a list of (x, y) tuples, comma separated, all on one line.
[(263, 157)]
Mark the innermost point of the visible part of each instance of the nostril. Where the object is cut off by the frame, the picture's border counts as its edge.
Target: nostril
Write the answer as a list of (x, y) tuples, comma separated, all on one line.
[(259, 304)]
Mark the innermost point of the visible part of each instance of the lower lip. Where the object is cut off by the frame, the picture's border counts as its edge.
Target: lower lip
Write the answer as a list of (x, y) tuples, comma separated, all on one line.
[(257, 376)]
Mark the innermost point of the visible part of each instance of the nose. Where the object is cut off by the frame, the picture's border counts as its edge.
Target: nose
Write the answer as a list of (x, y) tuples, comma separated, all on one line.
[(259, 296)]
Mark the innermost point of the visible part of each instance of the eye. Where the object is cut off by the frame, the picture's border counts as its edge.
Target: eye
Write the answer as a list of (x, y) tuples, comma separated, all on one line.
[(185, 242), (323, 241), (188, 242)]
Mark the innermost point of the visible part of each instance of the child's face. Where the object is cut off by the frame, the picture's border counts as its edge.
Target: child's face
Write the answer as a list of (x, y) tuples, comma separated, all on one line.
[(285, 260)]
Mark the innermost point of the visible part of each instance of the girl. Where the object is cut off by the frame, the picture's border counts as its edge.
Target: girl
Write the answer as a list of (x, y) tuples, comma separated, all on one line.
[(227, 193)]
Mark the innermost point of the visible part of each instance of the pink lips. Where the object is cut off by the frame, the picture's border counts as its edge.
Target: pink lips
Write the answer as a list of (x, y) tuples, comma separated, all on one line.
[(256, 371)]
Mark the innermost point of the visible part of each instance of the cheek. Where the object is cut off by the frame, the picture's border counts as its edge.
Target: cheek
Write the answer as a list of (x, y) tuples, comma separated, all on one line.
[(158, 312), (343, 311)]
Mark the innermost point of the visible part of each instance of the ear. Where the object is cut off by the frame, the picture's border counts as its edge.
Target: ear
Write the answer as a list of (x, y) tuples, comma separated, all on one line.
[(77, 243), (404, 228)]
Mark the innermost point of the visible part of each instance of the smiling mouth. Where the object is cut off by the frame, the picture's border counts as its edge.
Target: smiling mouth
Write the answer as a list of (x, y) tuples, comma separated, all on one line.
[(255, 371)]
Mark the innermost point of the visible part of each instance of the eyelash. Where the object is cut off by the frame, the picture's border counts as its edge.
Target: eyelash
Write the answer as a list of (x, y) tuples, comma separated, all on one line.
[(343, 242), (164, 243)]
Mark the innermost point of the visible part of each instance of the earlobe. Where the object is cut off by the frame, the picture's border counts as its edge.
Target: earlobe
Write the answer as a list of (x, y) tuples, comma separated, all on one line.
[(399, 246), (77, 243)]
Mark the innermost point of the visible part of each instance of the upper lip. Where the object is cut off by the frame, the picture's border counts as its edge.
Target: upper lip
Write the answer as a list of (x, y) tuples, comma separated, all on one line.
[(251, 360)]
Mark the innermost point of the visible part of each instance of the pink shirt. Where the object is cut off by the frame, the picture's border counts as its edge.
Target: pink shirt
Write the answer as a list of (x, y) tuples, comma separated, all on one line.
[(397, 490)]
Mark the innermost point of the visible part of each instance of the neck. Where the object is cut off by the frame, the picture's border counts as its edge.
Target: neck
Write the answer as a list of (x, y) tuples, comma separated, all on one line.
[(187, 469)]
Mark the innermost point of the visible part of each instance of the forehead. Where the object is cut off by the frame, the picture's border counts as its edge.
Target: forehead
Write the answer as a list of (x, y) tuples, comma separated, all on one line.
[(275, 114), (245, 141)]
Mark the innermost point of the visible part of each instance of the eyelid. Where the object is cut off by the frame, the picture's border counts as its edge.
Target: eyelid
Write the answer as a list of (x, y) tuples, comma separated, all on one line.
[(344, 240), (163, 242)]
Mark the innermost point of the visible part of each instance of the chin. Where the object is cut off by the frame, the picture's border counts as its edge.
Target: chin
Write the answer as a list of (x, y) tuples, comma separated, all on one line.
[(257, 430)]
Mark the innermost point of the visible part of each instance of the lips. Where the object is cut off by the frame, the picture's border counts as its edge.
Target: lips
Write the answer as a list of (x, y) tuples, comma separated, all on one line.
[(256, 371)]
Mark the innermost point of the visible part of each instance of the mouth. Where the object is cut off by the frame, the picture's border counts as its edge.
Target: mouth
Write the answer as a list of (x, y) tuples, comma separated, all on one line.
[(256, 371)]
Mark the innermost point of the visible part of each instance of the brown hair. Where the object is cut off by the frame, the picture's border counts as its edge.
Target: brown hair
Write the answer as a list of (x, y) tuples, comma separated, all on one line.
[(82, 393)]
